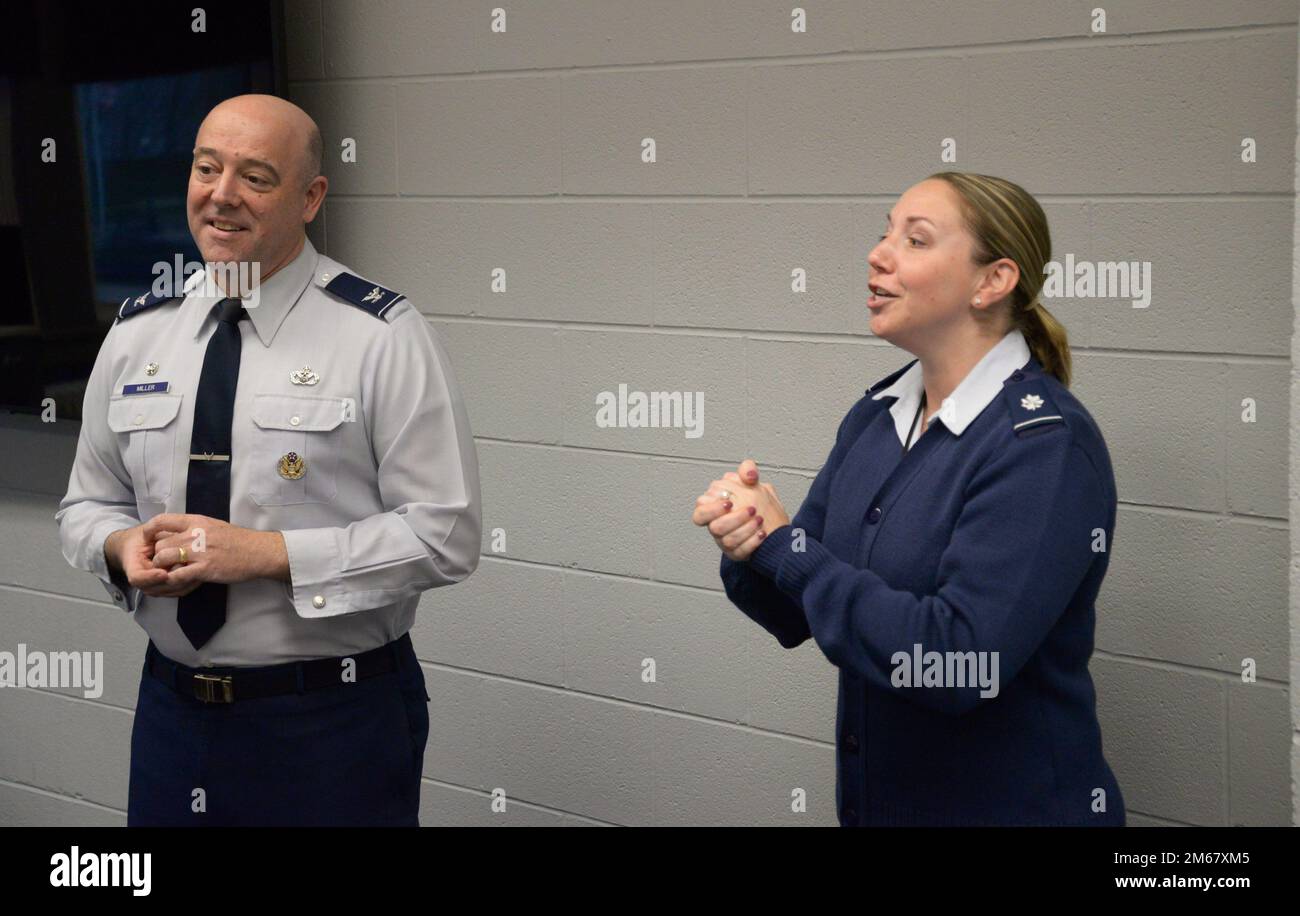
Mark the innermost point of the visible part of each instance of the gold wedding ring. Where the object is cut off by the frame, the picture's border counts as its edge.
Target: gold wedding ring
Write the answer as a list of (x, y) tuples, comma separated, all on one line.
[(184, 556)]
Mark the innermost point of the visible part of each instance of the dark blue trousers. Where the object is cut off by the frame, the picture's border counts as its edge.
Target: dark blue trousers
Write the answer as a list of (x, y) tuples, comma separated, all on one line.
[(345, 755)]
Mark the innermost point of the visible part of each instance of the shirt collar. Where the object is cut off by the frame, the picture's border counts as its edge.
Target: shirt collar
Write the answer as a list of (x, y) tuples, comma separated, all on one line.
[(275, 297), (980, 386)]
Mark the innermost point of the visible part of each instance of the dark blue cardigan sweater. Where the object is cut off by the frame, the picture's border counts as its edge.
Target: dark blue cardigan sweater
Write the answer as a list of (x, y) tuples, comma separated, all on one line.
[(991, 541)]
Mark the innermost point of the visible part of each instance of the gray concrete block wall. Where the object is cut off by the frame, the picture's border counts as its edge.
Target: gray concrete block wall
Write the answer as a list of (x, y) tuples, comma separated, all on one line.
[(520, 151), (1294, 489)]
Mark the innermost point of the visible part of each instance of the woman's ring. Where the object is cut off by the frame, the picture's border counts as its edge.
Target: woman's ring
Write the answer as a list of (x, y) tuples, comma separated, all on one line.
[(725, 494)]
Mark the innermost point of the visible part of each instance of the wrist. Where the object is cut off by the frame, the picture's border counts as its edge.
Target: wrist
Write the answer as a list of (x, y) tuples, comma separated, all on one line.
[(112, 546), (274, 556)]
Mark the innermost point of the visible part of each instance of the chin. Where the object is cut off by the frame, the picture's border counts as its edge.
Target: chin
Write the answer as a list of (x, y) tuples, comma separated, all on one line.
[(223, 253)]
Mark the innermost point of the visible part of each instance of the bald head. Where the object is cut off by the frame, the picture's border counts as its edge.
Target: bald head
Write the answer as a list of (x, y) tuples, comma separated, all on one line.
[(294, 134), (255, 183)]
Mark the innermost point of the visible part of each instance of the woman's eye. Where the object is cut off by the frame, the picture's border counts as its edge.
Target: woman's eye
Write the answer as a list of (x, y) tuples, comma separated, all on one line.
[(918, 241)]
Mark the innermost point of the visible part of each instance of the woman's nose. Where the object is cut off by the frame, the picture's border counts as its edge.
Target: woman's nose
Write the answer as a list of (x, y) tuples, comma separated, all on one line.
[(877, 257)]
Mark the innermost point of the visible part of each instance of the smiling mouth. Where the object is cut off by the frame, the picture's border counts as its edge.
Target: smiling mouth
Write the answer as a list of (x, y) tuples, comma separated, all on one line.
[(879, 297), (223, 226)]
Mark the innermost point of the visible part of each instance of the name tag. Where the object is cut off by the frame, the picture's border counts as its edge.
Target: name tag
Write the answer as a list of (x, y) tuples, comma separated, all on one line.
[(145, 388)]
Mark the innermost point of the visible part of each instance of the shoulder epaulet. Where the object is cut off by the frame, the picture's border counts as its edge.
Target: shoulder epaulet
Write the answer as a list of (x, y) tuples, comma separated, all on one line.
[(367, 296), (1029, 403), (889, 379), (134, 306)]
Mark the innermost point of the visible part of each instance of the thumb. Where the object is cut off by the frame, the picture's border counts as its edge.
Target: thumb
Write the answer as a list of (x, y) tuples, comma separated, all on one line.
[(749, 471)]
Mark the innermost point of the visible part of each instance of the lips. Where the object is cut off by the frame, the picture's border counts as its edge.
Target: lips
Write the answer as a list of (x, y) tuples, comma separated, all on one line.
[(225, 226), (879, 296)]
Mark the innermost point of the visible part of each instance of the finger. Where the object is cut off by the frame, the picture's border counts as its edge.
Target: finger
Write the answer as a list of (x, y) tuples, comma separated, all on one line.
[(708, 496), (741, 534), (725, 524), (170, 521), (749, 471), (167, 557), (733, 477), (168, 587), (707, 511), (174, 540), (146, 578), (185, 576), (746, 549)]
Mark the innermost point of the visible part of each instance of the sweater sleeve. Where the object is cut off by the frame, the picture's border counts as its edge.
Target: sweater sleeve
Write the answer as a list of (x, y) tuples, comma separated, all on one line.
[(756, 594), (1020, 548)]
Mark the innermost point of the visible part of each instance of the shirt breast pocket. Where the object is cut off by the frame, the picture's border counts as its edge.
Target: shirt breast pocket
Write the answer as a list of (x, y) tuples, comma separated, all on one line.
[(148, 426), (295, 449)]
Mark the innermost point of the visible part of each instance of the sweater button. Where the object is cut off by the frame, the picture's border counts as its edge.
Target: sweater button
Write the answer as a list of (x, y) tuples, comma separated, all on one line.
[(851, 743), (874, 515), (1017, 376)]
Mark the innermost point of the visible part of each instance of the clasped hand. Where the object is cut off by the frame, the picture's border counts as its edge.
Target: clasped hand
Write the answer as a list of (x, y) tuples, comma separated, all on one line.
[(740, 522), (215, 551)]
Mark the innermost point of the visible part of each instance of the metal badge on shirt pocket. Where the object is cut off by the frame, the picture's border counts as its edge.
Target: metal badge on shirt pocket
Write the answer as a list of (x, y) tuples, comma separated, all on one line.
[(146, 428), (296, 449)]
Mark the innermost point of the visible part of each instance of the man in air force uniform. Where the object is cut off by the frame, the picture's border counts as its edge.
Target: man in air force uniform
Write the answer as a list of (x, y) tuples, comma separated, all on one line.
[(268, 484)]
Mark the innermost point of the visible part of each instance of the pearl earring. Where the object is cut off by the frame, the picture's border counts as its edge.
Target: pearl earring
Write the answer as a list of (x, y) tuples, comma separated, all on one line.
[(977, 300)]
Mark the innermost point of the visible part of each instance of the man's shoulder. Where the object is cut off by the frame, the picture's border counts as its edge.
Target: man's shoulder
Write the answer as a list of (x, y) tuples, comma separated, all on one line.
[(144, 302), (341, 284)]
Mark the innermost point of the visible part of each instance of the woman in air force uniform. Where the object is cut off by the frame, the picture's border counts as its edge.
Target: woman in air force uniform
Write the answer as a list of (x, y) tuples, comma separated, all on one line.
[(949, 553)]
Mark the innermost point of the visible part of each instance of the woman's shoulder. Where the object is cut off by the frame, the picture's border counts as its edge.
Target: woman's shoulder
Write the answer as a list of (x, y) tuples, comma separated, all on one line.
[(1035, 404)]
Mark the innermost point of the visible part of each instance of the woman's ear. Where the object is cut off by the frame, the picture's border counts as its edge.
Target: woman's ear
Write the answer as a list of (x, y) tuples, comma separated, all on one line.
[(1000, 281)]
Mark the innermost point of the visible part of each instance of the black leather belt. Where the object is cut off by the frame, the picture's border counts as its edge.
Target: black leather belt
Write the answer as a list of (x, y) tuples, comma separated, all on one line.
[(228, 685)]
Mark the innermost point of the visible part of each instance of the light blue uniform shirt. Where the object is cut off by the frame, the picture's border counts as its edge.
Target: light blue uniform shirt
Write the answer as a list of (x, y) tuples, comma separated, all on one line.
[(388, 502)]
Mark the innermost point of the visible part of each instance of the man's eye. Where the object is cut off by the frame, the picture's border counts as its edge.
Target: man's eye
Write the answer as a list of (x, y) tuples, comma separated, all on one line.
[(255, 179)]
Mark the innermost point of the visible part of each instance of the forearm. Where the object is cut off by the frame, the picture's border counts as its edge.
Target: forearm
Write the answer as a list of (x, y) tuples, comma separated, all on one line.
[(764, 603)]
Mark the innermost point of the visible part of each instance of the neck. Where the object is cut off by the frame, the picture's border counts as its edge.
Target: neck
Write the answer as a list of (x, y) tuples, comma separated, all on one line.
[(287, 259), (944, 366), (275, 269)]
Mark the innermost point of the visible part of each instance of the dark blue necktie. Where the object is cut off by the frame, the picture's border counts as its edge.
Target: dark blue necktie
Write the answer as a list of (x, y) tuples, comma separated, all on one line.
[(207, 486)]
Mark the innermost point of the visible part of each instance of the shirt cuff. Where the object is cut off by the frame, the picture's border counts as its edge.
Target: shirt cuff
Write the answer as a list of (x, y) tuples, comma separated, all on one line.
[(123, 594), (315, 587), (788, 556)]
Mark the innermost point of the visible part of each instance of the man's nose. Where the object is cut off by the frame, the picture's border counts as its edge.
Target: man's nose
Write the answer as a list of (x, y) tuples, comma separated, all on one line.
[(225, 192)]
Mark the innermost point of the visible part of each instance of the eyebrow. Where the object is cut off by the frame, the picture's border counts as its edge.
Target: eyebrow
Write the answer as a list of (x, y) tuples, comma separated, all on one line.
[(912, 219), (260, 163)]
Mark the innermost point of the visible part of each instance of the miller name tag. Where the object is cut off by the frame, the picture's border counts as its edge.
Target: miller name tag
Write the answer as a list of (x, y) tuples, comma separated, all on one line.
[(145, 388)]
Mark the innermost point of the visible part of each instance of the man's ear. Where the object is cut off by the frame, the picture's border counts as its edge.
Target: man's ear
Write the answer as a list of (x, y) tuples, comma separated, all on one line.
[(314, 198)]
